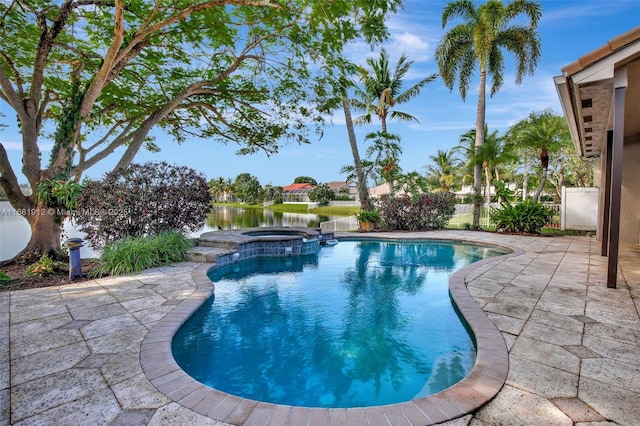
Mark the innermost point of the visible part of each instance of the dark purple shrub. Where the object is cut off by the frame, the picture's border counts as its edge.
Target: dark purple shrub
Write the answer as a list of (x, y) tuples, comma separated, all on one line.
[(142, 200), (427, 211)]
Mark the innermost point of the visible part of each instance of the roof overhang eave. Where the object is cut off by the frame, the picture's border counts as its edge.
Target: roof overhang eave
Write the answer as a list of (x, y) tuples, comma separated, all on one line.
[(566, 101)]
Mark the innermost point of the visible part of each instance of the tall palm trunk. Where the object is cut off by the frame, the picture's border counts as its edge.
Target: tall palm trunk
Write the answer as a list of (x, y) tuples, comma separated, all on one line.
[(477, 168), (544, 160), (363, 191), (543, 182), (487, 189), (525, 179), (383, 122)]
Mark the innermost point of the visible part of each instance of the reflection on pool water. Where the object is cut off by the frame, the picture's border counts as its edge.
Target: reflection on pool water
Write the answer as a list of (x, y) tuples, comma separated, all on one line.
[(362, 323)]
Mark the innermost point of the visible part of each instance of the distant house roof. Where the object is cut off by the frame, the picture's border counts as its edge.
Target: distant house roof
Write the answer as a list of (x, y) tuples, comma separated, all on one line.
[(298, 188), (337, 185)]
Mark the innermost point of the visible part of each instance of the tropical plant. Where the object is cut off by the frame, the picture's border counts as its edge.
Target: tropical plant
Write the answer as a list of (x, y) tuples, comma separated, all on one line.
[(445, 170), (133, 254), (372, 216), (305, 179), (413, 184), (428, 211), (384, 155), (528, 217), (105, 73), (544, 133), (141, 200), (371, 16), (322, 194), (382, 90), (478, 41), (358, 169), (44, 266), (247, 188), (504, 193), (272, 193), (493, 154), (221, 189)]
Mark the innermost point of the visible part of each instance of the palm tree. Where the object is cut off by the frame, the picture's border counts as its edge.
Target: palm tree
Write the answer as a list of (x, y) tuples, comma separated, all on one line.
[(220, 188), (445, 170), (466, 146), (382, 91), (479, 42), (363, 192), (385, 152), (494, 153), (545, 133), (491, 156)]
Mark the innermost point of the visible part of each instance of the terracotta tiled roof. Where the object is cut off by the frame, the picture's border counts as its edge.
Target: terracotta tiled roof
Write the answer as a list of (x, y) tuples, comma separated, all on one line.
[(602, 52), (298, 186)]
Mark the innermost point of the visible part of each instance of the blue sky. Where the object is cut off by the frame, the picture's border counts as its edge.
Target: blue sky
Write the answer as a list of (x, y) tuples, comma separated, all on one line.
[(568, 29)]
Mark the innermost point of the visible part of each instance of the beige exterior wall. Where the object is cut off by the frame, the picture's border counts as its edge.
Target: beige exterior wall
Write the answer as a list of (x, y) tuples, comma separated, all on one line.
[(630, 202), (630, 205)]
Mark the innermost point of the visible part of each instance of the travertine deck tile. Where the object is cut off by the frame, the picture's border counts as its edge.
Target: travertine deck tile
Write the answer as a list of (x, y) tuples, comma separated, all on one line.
[(574, 347)]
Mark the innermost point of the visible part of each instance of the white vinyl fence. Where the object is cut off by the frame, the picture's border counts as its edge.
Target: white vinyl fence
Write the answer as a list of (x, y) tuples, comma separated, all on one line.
[(344, 224), (578, 211), (463, 217), (580, 208)]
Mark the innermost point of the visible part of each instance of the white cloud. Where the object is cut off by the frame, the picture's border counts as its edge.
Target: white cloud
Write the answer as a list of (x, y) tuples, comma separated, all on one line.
[(416, 48)]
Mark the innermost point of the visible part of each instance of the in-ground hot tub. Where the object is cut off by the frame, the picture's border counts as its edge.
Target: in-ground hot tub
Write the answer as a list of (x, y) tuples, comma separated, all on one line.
[(264, 241)]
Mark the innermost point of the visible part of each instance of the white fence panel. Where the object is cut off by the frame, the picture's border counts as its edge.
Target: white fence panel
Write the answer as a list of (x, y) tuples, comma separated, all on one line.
[(345, 203), (579, 209), (343, 224), (463, 216)]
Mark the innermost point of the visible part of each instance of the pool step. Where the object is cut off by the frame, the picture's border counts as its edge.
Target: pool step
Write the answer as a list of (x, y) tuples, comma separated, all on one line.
[(205, 254)]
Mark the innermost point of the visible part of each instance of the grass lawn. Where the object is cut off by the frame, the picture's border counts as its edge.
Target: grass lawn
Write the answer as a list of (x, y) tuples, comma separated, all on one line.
[(298, 208)]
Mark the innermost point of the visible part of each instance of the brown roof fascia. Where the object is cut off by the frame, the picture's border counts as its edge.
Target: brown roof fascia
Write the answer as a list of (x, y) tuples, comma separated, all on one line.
[(614, 44)]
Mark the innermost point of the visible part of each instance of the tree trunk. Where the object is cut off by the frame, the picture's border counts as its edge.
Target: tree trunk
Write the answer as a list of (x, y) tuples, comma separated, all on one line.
[(45, 231), (544, 161), (543, 181), (487, 190), (559, 184), (477, 168), (363, 191), (525, 179), (383, 123)]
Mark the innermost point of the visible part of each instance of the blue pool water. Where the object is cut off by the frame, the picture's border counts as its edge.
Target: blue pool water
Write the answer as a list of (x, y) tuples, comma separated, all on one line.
[(362, 323)]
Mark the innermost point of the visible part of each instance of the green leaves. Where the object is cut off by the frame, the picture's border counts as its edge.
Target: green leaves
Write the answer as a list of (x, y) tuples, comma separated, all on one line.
[(221, 70), (142, 200), (134, 254), (528, 217), (486, 30)]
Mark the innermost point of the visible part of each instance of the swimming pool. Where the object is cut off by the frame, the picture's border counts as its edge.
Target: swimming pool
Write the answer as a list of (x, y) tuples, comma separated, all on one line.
[(362, 323)]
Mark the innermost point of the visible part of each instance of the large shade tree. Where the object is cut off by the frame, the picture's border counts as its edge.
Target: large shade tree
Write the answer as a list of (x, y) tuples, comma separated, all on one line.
[(477, 43), (94, 77)]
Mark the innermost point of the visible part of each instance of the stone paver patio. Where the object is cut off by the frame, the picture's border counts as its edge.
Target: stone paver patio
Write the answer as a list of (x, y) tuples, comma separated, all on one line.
[(80, 354)]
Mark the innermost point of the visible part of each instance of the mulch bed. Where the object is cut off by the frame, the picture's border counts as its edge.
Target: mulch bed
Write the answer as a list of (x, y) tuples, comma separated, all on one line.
[(20, 280)]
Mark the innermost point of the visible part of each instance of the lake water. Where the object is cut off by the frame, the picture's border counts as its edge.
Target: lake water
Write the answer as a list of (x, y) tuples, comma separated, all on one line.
[(15, 232)]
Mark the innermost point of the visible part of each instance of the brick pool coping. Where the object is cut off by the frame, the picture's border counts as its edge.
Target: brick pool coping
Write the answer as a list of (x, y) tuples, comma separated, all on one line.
[(483, 382)]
